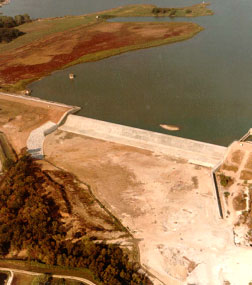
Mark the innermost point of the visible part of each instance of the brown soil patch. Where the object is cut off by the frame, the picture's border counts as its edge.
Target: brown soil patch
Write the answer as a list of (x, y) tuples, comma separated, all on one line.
[(246, 175), (18, 117), (249, 162), (53, 52), (229, 167), (237, 156), (239, 202), (23, 279), (82, 214)]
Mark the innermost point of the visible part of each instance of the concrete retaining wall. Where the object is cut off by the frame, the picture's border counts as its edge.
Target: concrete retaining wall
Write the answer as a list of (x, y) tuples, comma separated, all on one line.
[(36, 139), (216, 188), (196, 152)]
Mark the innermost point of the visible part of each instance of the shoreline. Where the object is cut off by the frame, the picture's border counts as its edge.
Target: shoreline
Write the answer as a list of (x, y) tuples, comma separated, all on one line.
[(45, 54)]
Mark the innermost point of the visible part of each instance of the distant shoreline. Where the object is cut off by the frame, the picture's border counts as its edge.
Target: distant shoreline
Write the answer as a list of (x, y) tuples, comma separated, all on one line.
[(44, 52)]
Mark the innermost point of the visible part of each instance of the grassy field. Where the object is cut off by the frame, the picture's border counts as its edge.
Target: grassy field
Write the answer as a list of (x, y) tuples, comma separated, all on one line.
[(56, 43), (26, 279), (149, 11), (42, 28), (43, 268)]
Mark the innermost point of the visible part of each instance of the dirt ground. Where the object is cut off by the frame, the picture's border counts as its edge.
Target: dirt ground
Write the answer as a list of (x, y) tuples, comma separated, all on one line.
[(82, 214), (23, 279), (237, 194), (168, 204), (18, 117), (41, 57)]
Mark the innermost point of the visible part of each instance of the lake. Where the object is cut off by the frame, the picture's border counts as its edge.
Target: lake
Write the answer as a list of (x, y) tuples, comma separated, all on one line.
[(202, 85)]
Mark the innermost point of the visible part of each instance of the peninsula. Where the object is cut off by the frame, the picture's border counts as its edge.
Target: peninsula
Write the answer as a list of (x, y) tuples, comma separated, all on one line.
[(56, 43)]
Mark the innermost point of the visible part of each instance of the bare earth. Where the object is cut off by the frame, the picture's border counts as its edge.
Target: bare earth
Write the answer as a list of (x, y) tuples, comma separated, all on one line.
[(18, 117), (168, 204), (237, 194)]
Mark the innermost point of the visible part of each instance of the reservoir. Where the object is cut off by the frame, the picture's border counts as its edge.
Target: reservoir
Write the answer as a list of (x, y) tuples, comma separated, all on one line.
[(203, 85)]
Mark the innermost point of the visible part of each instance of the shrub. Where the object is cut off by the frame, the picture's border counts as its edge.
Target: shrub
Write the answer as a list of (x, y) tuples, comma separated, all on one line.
[(226, 194), (173, 13), (224, 180), (7, 35), (8, 163), (156, 10)]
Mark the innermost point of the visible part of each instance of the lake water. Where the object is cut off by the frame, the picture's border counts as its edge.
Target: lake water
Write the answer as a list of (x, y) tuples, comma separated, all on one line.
[(203, 85)]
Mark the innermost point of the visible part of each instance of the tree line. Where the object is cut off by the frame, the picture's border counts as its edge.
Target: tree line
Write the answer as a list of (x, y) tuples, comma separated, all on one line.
[(171, 12), (30, 219), (8, 32)]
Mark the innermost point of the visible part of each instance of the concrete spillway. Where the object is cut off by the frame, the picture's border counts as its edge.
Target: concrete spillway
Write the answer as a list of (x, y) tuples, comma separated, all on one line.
[(36, 139), (194, 151)]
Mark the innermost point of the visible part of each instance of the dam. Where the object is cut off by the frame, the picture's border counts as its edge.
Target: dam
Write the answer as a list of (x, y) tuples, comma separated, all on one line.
[(196, 152)]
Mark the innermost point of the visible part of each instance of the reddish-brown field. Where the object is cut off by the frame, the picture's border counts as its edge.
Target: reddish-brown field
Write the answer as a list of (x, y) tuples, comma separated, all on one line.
[(39, 58)]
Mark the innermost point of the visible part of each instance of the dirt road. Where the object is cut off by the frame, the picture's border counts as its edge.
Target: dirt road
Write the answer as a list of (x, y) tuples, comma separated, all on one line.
[(85, 281)]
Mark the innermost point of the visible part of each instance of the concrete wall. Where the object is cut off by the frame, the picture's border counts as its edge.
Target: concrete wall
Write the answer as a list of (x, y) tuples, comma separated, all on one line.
[(36, 139), (196, 152)]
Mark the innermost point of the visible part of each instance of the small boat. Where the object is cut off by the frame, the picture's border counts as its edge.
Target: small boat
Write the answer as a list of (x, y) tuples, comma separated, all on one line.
[(170, 127), (71, 75), (27, 92)]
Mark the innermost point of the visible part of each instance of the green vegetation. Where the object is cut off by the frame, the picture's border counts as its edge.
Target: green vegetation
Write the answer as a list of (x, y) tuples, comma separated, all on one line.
[(34, 266), (30, 220), (11, 22), (42, 279), (7, 33), (226, 194), (192, 11), (47, 279), (171, 12), (62, 281), (225, 180), (39, 29), (152, 10), (42, 28), (20, 85)]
